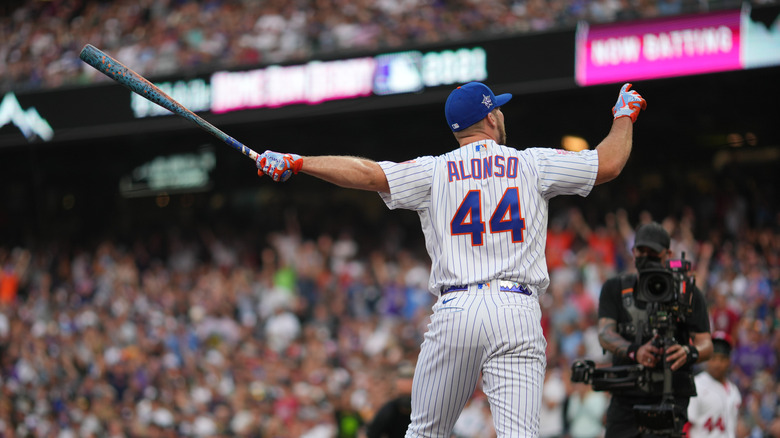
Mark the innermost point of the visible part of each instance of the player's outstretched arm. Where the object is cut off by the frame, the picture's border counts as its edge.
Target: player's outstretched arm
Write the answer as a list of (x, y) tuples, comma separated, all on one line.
[(344, 171), (616, 146), (350, 172)]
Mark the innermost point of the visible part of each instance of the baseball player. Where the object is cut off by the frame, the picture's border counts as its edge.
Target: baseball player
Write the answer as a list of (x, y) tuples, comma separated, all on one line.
[(483, 210), (713, 412)]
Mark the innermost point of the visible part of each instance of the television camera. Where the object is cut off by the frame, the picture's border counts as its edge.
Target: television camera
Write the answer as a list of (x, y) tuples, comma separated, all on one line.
[(667, 291)]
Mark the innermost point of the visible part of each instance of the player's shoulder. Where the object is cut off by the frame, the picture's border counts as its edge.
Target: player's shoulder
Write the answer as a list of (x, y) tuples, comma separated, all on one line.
[(555, 159), (557, 152), (535, 151), (528, 155), (423, 160)]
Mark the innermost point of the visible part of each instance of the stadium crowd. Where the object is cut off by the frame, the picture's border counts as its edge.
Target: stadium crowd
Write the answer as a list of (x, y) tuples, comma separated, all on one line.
[(210, 332), (40, 40), (202, 333)]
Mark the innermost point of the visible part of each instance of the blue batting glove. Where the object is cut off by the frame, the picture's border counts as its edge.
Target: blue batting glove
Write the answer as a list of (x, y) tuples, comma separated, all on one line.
[(279, 166), (629, 104)]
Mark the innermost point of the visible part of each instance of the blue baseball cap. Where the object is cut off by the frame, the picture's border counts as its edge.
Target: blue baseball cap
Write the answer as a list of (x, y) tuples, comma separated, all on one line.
[(470, 103)]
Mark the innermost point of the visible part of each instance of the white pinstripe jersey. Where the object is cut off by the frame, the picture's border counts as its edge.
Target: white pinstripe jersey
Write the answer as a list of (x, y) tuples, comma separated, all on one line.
[(483, 208)]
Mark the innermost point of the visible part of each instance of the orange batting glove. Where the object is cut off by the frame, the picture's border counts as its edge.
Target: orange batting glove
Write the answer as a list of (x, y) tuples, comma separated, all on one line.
[(280, 167), (629, 104)]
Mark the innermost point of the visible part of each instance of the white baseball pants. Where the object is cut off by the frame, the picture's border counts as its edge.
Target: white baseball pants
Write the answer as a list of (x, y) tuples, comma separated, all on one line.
[(483, 329)]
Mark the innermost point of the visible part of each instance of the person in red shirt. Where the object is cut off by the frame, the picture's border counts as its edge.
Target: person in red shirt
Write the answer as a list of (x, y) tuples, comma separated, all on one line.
[(559, 241), (723, 318)]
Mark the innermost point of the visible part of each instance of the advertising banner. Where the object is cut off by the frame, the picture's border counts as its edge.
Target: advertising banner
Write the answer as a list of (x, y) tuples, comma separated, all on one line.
[(388, 79), (680, 46)]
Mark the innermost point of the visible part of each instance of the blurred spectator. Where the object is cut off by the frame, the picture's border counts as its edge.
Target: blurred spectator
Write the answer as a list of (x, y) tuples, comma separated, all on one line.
[(349, 422), (754, 353), (13, 266), (762, 404), (591, 348), (585, 409), (553, 398), (670, 7), (40, 40), (723, 317), (393, 418), (560, 240), (177, 335)]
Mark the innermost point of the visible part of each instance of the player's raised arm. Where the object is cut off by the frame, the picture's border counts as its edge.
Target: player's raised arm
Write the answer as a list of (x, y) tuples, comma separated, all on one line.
[(616, 146), (344, 171)]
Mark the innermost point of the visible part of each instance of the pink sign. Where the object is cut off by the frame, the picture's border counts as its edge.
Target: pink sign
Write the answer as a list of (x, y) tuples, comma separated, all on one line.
[(679, 46)]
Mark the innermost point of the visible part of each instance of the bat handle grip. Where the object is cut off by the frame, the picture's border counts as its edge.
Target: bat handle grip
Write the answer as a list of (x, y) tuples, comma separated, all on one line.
[(241, 148)]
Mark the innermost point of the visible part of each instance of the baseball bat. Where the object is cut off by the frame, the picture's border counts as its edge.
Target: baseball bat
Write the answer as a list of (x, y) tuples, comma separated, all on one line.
[(141, 86)]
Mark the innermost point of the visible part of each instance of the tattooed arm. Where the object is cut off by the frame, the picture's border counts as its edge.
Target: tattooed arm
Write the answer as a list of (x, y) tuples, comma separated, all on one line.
[(610, 340), (646, 354)]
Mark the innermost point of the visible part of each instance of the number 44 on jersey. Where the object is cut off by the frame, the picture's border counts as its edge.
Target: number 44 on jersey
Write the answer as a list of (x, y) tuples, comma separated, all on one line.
[(505, 218)]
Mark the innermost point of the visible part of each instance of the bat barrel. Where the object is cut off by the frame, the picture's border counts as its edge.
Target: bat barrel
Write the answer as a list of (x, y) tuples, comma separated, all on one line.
[(141, 86)]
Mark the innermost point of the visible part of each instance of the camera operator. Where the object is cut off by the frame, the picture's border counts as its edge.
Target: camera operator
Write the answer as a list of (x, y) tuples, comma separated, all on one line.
[(624, 330)]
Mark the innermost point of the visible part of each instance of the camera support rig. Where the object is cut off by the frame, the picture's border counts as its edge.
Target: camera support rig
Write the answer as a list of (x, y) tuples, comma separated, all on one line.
[(665, 418), (668, 292)]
